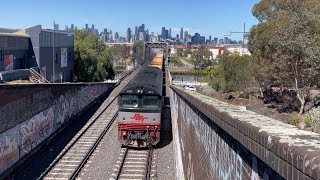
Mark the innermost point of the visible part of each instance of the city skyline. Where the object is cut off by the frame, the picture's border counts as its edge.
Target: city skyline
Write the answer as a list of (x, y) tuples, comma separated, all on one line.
[(141, 33), (207, 18)]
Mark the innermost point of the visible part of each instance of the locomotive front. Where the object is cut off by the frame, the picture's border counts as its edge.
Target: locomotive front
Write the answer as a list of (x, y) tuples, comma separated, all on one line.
[(140, 106)]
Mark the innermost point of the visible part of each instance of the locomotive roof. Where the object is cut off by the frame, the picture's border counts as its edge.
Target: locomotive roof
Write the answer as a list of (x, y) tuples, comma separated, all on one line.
[(148, 81)]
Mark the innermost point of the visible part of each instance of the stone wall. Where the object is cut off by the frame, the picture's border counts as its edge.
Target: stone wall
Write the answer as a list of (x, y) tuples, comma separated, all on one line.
[(29, 114), (217, 140)]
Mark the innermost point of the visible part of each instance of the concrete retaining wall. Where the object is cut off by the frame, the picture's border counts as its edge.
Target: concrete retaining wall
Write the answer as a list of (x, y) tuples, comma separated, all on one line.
[(29, 114), (221, 141)]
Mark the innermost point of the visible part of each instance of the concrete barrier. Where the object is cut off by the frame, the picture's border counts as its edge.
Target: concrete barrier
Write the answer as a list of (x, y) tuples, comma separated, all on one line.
[(30, 113), (222, 141)]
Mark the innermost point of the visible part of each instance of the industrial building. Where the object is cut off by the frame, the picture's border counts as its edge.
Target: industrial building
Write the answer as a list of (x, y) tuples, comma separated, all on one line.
[(33, 48), (63, 63)]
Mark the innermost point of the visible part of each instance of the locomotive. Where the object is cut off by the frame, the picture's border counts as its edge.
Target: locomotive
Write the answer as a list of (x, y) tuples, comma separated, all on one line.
[(140, 107)]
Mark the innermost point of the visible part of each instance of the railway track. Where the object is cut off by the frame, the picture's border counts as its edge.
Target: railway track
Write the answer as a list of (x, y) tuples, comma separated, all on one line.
[(70, 161), (134, 164)]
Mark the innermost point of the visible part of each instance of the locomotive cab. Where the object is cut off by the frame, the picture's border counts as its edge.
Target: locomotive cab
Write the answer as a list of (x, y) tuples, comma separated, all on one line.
[(139, 119), (140, 106)]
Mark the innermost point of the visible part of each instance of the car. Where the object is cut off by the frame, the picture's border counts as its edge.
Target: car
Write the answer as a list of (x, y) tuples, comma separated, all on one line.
[(190, 88)]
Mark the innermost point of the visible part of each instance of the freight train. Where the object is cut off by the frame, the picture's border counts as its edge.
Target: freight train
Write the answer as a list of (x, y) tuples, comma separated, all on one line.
[(140, 107)]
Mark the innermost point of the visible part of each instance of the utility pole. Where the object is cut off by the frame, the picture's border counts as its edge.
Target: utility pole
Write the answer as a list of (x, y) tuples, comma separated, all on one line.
[(244, 35)]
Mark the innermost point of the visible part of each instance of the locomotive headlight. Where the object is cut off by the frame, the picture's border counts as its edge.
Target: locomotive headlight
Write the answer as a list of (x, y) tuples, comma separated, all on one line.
[(124, 133)]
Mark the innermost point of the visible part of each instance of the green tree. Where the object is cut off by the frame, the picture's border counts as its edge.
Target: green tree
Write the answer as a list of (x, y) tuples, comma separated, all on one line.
[(119, 53), (93, 61), (201, 57), (288, 36), (138, 52), (234, 73), (237, 72)]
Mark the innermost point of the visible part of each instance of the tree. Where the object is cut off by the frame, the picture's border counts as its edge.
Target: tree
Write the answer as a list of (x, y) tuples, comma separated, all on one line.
[(237, 72), (288, 36), (119, 53), (93, 61), (201, 57), (298, 53), (138, 52)]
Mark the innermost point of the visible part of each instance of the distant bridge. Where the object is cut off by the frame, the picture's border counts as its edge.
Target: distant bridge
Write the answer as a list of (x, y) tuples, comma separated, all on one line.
[(125, 43)]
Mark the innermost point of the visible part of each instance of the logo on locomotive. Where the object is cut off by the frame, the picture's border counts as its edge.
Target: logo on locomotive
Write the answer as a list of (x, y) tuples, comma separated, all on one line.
[(138, 117)]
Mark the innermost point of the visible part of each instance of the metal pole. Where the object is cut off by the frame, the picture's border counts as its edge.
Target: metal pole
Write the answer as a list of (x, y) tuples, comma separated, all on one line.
[(53, 52), (244, 33)]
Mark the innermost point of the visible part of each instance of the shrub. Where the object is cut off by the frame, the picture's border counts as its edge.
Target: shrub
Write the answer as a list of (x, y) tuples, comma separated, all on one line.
[(307, 121), (314, 116), (218, 84), (295, 119)]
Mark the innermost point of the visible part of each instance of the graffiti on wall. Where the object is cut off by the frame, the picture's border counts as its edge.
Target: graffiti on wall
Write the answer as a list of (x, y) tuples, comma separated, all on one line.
[(8, 149), (16, 142), (204, 153), (36, 129)]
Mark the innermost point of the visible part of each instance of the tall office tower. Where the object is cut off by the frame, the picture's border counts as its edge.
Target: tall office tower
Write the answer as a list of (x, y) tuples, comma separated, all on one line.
[(166, 34), (141, 36), (177, 36), (96, 32), (75, 28), (142, 27), (163, 32), (209, 38), (105, 31), (181, 33), (116, 35), (129, 35), (186, 35), (87, 28), (72, 27), (110, 35), (169, 34), (136, 33), (92, 29)]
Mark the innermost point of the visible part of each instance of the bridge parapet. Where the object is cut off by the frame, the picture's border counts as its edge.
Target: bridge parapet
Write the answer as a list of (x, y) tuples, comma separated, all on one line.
[(222, 141), (31, 113)]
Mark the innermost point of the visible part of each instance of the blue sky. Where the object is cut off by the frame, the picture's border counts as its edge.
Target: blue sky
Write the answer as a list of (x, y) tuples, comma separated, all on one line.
[(207, 17)]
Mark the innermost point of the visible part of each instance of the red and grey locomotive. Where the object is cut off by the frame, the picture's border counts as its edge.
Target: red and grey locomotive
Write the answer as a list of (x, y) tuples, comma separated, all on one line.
[(140, 107)]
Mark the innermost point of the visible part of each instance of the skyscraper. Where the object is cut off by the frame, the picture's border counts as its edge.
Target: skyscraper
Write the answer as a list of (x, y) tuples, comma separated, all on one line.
[(129, 35), (136, 33), (87, 28), (116, 35), (92, 29), (105, 31), (186, 35), (169, 35), (166, 35), (181, 33), (72, 27), (163, 32)]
